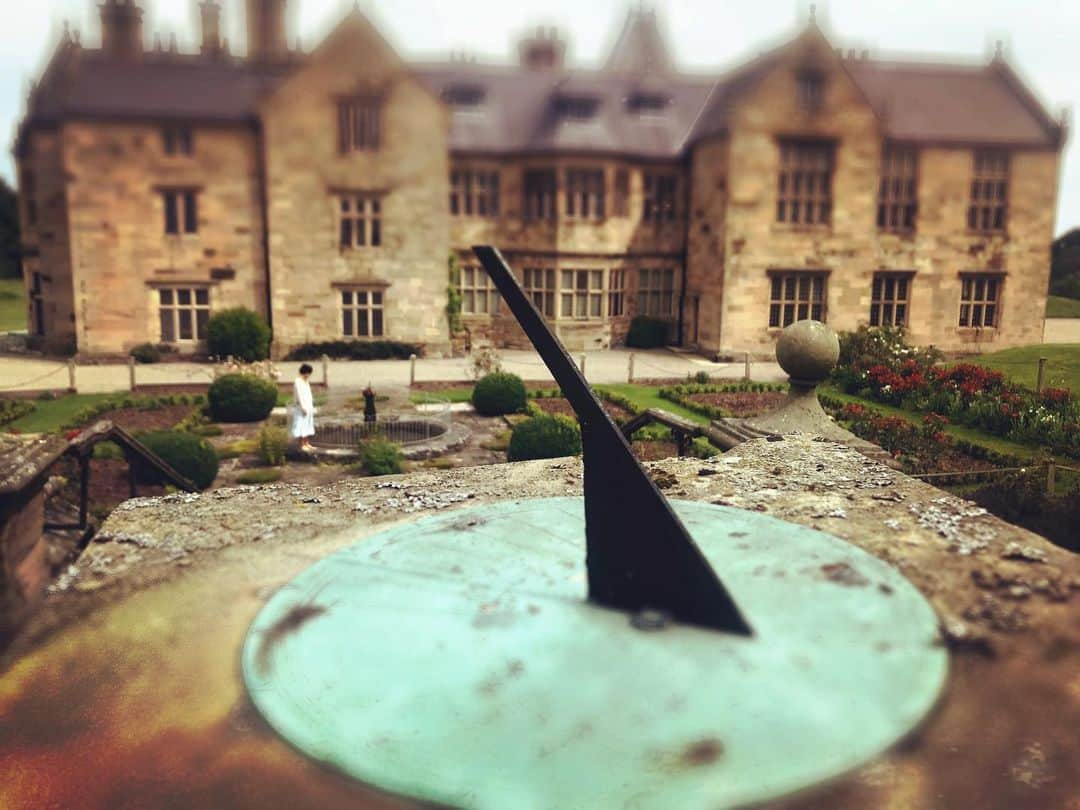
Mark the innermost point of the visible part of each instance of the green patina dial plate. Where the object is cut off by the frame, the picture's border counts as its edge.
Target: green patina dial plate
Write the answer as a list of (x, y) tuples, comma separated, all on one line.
[(455, 660)]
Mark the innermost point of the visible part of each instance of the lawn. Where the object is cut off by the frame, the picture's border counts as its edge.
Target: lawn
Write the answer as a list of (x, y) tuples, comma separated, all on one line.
[(1058, 307), (50, 415), (1021, 365), (648, 396), (961, 432), (642, 396), (12, 305)]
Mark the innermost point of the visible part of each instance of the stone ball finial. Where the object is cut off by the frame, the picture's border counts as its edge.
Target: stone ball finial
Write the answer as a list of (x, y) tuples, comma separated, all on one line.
[(808, 351)]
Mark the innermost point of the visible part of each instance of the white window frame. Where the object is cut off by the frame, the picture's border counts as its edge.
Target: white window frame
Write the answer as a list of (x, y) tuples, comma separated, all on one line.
[(539, 284), (656, 292), (479, 296), (581, 293), (360, 221), (362, 305), (980, 300), (174, 302)]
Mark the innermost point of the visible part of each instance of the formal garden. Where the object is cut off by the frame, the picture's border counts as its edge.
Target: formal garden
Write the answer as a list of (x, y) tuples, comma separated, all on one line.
[(982, 428)]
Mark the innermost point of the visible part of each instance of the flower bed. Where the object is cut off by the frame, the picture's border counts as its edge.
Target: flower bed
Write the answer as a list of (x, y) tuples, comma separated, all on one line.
[(964, 393), (920, 449), (721, 401)]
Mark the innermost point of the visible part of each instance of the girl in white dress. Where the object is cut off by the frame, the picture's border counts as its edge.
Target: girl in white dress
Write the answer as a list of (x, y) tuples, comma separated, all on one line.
[(303, 410)]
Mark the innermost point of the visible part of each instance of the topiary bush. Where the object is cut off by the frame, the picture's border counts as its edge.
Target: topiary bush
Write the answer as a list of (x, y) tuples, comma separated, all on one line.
[(499, 393), (192, 457), (273, 443), (356, 350), (241, 398), (146, 353), (381, 457), (546, 436), (647, 333), (239, 333)]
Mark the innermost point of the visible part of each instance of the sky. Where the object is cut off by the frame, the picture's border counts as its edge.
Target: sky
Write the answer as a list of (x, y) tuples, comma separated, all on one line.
[(704, 35)]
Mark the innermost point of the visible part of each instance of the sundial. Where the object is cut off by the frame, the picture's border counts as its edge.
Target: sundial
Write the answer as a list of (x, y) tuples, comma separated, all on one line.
[(616, 651)]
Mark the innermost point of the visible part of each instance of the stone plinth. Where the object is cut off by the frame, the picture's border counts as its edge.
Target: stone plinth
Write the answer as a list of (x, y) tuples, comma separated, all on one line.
[(142, 705)]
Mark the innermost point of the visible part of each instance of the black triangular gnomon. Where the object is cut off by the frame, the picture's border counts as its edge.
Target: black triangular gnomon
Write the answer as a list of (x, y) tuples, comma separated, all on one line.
[(639, 554)]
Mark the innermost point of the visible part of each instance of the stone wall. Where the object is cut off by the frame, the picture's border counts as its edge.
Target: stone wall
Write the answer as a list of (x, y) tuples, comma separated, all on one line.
[(307, 174), (851, 249), (24, 569), (616, 242), (120, 250), (47, 243)]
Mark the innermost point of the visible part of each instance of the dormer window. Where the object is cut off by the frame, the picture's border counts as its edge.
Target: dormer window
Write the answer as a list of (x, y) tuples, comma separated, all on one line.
[(648, 103), (810, 90), (577, 108), (464, 97)]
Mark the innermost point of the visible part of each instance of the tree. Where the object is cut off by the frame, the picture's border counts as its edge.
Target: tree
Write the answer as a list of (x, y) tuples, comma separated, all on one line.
[(10, 266), (1065, 269)]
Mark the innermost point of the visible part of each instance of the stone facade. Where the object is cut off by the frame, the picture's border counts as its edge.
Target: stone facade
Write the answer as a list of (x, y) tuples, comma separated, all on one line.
[(271, 176), (308, 175)]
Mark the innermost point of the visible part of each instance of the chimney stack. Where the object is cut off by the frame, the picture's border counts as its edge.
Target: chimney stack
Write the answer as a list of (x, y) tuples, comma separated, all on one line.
[(543, 51), (121, 29), (266, 30), (210, 11)]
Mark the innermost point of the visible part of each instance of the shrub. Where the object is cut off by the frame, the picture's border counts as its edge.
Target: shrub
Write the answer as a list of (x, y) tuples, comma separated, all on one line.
[(108, 451), (545, 436), (647, 333), (252, 477), (355, 350), (239, 333), (146, 353), (381, 457), (241, 398), (14, 409), (189, 455), (499, 393), (273, 443)]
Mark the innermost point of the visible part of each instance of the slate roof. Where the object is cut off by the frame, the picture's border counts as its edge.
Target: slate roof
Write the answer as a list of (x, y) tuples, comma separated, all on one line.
[(519, 111)]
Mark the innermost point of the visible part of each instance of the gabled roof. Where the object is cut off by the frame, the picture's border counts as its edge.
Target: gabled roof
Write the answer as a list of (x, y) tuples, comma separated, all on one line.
[(951, 103), (518, 111)]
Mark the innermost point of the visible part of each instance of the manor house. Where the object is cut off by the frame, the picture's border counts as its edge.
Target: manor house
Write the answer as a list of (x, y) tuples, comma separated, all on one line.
[(328, 189)]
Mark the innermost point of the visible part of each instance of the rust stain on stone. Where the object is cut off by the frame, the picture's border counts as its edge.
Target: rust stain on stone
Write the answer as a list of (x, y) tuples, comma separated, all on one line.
[(283, 628)]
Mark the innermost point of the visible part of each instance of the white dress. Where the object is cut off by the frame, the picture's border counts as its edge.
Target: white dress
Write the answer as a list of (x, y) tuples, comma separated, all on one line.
[(302, 411)]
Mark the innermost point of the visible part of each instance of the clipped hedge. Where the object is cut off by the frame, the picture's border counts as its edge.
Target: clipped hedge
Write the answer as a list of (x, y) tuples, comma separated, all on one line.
[(544, 436), (381, 457), (647, 333), (241, 398), (499, 393), (192, 457), (146, 353), (12, 410), (239, 333), (355, 350)]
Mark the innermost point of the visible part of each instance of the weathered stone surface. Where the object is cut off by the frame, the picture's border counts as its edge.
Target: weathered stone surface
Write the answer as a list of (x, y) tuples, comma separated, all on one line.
[(808, 351), (153, 711)]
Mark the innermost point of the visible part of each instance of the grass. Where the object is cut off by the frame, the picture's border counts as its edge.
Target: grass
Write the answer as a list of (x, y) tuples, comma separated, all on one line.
[(12, 305), (263, 476), (236, 449), (1021, 365), (50, 415), (648, 396), (452, 395), (1058, 307), (961, 432)]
